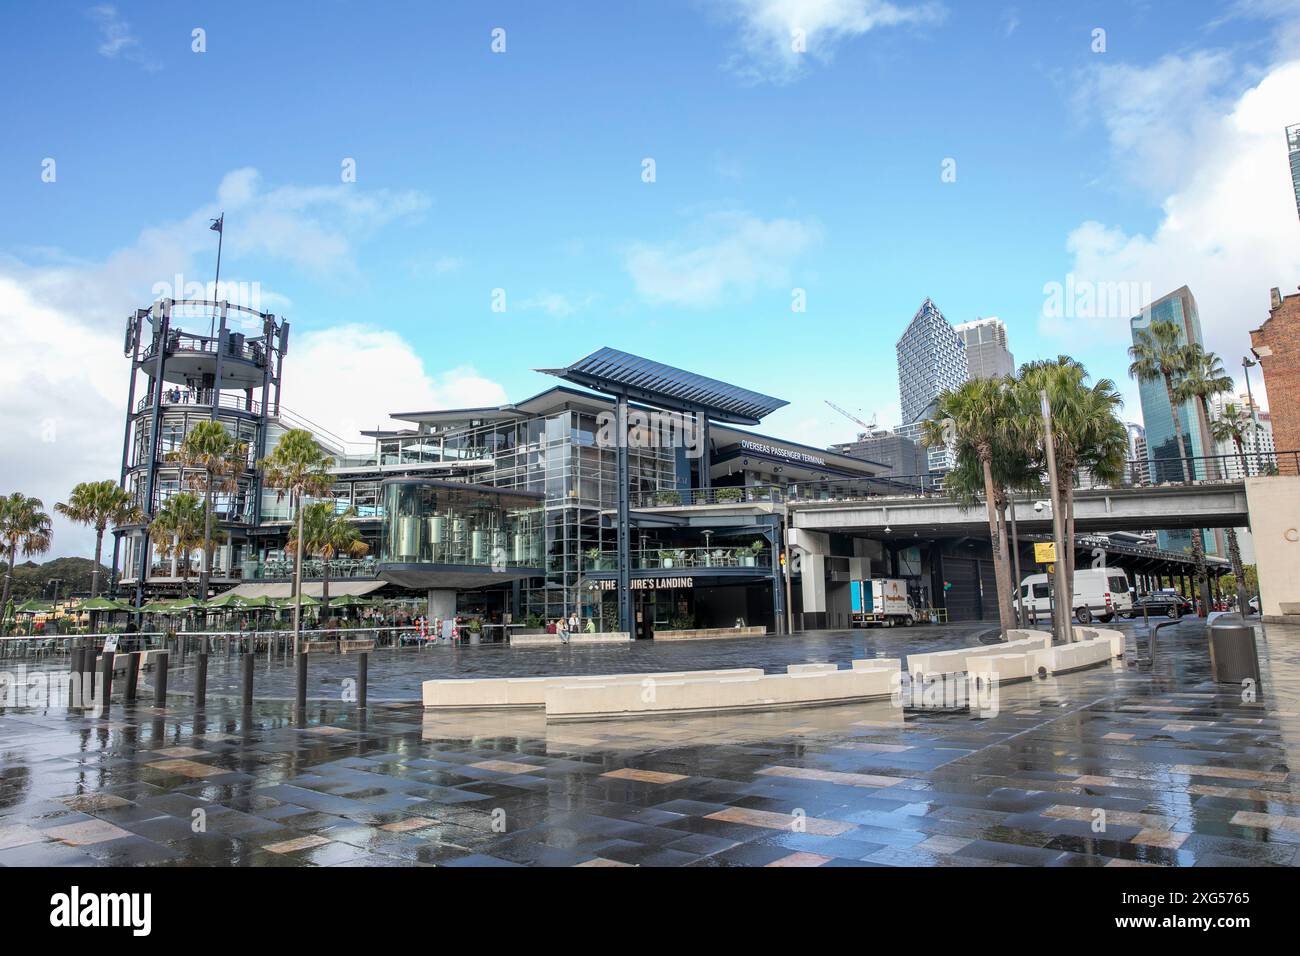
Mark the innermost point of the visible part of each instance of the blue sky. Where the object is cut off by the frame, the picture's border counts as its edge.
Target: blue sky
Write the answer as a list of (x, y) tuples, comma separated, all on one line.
[(523, 171)]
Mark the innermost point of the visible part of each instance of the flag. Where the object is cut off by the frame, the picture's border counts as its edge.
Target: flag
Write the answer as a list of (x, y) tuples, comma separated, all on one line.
[(218, 224)]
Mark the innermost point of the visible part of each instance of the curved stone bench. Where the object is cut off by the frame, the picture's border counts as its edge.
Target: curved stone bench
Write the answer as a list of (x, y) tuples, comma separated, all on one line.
[(694, 696), (962, 658), (601, 637), (496, 692), (1116, 638), (710, 633)]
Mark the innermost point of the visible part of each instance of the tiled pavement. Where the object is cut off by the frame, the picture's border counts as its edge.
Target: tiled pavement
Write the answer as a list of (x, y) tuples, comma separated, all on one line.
[(1186, 772)]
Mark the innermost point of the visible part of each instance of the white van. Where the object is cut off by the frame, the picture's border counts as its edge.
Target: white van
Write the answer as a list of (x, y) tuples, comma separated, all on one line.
[(1100, 593)]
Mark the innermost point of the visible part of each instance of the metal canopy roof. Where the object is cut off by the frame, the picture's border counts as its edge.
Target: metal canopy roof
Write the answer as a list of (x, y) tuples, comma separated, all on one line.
[(609, 370)]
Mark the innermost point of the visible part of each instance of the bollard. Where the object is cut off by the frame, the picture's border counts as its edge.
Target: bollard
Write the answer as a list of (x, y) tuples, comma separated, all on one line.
[(107, 687), (302, 680), (75, 658), (363, 665), (248, 680), (132, 677), (160, 680), (88, 673), (201, 679)]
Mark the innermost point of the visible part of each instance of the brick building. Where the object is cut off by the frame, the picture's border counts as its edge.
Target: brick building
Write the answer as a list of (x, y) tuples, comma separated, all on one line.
[(1276, 344)]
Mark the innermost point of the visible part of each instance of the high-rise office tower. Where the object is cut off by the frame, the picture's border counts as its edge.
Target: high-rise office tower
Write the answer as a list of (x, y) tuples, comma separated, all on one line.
[(931, 359), (1163, 454), (1139, 471), (987, 354)]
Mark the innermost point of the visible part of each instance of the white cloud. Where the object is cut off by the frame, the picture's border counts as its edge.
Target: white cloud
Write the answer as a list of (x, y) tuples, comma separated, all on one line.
[(557, 303), (1229, 231), (350, 378), (1156, 114), (725, 255), (116, 38), (777, 35)]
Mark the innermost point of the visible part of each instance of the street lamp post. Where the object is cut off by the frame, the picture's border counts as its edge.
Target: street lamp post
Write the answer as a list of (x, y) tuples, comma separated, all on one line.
[(1061, 610), (1247, 364)]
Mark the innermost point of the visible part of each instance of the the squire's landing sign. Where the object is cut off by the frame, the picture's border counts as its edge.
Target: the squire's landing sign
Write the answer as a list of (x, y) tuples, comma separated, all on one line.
[(133, 910)]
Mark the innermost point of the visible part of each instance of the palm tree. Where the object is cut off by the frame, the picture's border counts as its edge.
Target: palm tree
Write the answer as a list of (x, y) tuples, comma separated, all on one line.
[(1234, 425), (1086, 434), (1202, 379), (23, 524), (297, 468), (973, 417), (1158, 355), (328, 533), (177, 530), (214, 461), (99, 504)]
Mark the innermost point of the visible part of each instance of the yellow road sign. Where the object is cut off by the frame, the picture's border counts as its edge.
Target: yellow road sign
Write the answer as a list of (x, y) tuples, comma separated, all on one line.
[(1044, 552)]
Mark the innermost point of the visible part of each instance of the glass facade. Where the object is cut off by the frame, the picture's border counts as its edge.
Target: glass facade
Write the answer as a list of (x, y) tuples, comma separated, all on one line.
[(1164, 457), (427, 522), (931, 359)]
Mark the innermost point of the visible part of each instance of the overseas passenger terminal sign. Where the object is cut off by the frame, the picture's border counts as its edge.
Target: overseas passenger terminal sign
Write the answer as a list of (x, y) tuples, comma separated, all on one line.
[(647, 584)]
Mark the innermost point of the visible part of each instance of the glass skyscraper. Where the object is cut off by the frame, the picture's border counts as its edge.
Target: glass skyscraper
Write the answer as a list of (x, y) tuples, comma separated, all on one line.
[(931, 359), (1163, 454)]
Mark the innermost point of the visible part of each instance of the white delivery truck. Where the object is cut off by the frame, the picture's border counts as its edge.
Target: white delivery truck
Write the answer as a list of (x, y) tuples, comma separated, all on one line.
[(882, 601), (1100, 593)]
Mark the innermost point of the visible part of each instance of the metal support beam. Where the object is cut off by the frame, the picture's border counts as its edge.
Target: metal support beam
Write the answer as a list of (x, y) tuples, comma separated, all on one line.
[(624, 536)]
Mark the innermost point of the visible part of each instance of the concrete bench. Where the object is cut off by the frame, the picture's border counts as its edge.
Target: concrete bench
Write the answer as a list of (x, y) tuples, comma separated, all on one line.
[(524, 640), (709, 633), (811, 668), (1044, 638), (1004, 668), (604, 701), (494, 692), (879, 663), (960, 659), (356, 646), (1077, 656), (601, 637)]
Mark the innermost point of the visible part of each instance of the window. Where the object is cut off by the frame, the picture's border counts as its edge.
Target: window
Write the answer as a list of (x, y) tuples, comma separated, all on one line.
[(1118, 584), (1040, 590)]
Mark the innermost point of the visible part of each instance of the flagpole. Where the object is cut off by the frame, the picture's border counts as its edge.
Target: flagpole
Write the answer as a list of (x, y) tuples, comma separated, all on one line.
[(218, 224)]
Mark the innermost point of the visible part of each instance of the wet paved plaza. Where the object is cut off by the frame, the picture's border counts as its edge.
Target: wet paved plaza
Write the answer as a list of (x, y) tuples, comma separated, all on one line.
[(1186, 772)]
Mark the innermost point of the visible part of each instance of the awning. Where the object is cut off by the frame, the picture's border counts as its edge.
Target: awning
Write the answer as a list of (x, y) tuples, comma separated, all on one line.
[(282, 589)]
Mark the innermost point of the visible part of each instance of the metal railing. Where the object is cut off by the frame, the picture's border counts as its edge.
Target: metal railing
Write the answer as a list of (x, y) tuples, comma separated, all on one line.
[(1141, 473), (676, 559)]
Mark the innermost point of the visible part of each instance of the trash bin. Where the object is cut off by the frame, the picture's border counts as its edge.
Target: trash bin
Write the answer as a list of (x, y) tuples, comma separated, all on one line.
[(1233, 655)]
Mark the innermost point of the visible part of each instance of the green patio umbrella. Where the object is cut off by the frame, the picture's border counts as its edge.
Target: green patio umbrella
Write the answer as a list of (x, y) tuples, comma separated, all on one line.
[(157, 607), (348, 600), (188, 604), (253, 603), (34, 607), (101, 604), (288, 602)]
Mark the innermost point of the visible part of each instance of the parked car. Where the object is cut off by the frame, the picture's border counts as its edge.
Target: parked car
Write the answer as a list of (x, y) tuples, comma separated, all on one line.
[(1169, 603)]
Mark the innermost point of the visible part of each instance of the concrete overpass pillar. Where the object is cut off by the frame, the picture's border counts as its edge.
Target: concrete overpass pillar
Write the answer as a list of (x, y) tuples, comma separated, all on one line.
[(1273, 504), (813, 547)]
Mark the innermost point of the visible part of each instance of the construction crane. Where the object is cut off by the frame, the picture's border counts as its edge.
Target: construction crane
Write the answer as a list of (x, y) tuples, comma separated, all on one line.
[(853, 418)]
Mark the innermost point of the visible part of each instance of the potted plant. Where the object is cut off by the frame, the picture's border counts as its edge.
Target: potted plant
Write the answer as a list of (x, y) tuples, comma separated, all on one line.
[(746, 556), (667, 498), (666, 558), (593, 559), (755, 549), (726, 494)]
